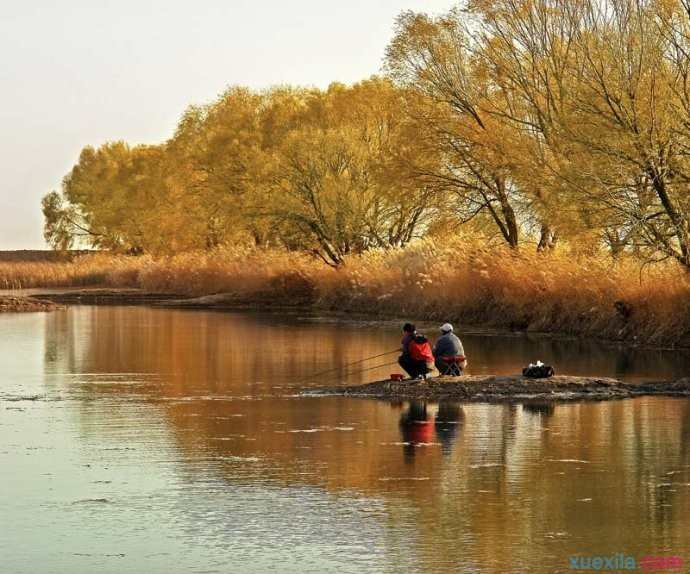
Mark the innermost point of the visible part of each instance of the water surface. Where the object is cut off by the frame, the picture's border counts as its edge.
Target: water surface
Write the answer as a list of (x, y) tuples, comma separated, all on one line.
[(149, 440)]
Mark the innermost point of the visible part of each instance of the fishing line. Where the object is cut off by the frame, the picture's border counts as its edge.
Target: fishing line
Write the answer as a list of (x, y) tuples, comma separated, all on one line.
[(344, 375), (345, 366)]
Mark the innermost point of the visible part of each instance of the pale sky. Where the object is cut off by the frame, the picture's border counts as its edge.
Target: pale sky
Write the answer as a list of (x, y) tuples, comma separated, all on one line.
[(82, 72)]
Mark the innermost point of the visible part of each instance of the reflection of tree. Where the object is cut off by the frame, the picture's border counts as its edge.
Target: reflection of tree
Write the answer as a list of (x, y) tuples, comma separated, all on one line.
[(495, 501), (573, 357), (60, 346), (212, 348)]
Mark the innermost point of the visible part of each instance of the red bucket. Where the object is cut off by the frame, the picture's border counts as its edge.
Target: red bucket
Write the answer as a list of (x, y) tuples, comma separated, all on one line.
[(396, 377)]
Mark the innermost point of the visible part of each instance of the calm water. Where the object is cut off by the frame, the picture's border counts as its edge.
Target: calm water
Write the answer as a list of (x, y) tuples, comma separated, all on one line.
[(175, 441)]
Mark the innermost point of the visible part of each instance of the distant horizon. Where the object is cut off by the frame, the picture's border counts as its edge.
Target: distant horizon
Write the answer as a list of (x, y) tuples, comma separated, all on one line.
[(85, 74)]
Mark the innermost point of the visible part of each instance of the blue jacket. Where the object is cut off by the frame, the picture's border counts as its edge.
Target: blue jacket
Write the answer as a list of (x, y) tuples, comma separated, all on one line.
[(448, 345)]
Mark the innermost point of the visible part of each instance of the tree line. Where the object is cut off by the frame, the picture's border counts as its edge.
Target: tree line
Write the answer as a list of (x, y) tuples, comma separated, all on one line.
[(526, 122)]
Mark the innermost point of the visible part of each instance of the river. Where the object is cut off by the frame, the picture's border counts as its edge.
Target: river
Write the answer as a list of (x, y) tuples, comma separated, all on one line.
[(143, 440)]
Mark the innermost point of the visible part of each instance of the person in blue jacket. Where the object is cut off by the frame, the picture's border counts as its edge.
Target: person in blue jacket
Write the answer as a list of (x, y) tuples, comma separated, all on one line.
[(449, 355)]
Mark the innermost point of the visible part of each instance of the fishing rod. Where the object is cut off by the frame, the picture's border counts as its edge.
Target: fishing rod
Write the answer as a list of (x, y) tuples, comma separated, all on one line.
[(350, 364), (363, 370)]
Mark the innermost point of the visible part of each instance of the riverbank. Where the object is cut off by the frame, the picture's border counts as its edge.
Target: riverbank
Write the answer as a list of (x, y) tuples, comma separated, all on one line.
[(271, 304), (492, 388), (10, 304), (564, 293)]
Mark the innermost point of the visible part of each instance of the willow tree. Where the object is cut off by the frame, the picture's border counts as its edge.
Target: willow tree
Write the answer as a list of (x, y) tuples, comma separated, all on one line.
[(403, 207), (604, 86), (216, 161), (527, 51), (111, 199), (338, 180), (64, 226), (434, 57), (633, 151)]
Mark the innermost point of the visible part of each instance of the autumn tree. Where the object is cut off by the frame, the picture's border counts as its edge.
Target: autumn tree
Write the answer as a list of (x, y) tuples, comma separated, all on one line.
[(530, 121), (434, 57), (601, 84), (302, 168), (218, 161), (338, 183)]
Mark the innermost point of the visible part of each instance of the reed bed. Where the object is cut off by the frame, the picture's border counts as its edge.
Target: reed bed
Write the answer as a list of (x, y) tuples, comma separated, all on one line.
[(590, 296), (458, 281), (88, 270)]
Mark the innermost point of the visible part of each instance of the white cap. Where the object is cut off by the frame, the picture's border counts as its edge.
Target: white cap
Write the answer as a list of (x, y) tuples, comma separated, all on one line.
[(446, 328)]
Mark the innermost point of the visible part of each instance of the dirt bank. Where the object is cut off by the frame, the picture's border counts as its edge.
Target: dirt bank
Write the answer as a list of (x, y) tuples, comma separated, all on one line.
[(267, 301), (506, 388), (25, 304), (121, 296)]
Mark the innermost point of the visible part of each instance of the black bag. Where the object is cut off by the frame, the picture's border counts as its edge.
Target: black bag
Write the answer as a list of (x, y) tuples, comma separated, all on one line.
[(538, 372)]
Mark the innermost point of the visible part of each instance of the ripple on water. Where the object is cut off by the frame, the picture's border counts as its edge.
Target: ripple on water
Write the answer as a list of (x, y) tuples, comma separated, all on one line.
[(193, 469)]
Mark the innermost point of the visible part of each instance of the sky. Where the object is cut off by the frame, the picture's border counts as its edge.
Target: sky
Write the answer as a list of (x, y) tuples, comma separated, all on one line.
[(83, 72)]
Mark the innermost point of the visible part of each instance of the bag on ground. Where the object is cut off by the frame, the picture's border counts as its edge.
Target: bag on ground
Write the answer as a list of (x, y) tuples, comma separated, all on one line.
[(538, 371)]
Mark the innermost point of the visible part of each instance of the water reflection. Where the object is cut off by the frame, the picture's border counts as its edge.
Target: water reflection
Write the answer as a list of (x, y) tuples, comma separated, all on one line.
[(544, 409), (289, 349), (448, 422), (416, 428), (194, 419)]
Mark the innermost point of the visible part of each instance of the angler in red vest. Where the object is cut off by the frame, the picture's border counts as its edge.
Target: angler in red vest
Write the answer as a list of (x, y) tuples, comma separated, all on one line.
[(416, 359)]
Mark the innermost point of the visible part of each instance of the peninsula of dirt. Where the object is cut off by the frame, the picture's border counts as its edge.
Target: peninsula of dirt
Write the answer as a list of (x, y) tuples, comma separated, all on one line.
[(492, 388), (25, 304)]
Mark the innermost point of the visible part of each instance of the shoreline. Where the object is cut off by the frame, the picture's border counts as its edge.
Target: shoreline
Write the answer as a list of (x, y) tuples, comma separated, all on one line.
[(61, 297), (508, 388), (20, 304), (470, 388), (462, 283)]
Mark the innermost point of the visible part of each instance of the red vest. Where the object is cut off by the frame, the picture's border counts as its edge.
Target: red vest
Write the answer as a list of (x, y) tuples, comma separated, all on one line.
[(421, 351)]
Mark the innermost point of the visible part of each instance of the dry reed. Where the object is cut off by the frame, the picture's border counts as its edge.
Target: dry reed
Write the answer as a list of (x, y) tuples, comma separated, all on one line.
[(458, 281)]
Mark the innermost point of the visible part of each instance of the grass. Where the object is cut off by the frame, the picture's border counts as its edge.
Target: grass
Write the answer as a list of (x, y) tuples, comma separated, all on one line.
[(86, 270), (458, 281), (23, 255)]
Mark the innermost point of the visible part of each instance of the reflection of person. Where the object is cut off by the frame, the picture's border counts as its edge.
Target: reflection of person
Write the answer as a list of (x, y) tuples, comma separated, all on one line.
[(449, 354), (449, 419), (416, 357), (546, 409), (415, 428)]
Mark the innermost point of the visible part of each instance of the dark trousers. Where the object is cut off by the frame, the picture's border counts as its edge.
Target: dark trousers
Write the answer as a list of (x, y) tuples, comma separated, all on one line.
[(412, 367), (445, 368)]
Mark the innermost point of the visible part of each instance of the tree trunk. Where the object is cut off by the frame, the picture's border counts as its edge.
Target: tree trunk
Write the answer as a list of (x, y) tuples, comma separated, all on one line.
[(678, 220), (511, 231), (547, 238)]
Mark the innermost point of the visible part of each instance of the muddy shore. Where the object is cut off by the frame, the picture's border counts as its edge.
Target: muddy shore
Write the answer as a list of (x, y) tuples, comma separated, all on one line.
[(105, 296), (267, 302), (10, 304), (495, 388)]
